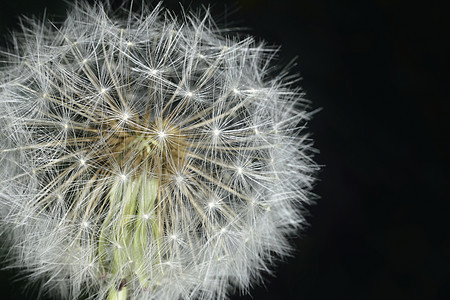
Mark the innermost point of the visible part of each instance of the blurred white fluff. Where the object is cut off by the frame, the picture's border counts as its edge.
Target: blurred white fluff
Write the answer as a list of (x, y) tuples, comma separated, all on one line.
[(148, 157)]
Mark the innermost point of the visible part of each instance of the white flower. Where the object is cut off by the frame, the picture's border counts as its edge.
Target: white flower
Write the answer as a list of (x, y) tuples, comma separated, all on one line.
[(146, 157)]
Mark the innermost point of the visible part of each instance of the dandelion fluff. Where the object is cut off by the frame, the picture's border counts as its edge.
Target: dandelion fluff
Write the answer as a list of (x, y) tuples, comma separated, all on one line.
[(148, 157)]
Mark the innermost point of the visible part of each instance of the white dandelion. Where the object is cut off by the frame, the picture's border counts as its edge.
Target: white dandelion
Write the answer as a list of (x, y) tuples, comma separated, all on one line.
[(148, 157)]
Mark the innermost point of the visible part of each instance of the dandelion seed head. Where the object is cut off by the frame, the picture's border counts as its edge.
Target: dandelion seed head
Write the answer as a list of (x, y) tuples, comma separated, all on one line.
[(240, 171), (216, 132), (212, 204), (186, 168), (179, 179)]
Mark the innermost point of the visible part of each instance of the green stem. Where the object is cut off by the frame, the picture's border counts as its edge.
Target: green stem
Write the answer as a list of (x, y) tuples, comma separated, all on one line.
[(146, 207), (130, 223), (114, 294)]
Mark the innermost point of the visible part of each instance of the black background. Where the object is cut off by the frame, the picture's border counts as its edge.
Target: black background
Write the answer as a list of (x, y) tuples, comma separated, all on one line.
[(379, 71)]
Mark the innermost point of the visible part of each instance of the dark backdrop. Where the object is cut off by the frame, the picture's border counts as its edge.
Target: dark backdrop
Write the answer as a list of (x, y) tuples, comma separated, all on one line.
[(379, 70)]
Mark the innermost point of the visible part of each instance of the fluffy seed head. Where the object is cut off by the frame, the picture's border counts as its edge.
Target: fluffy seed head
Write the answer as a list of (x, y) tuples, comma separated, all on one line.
[(148, 157)]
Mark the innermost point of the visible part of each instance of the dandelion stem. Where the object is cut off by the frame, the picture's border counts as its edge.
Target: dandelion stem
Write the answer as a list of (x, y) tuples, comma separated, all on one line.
[(133, 202), (118, 294)]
